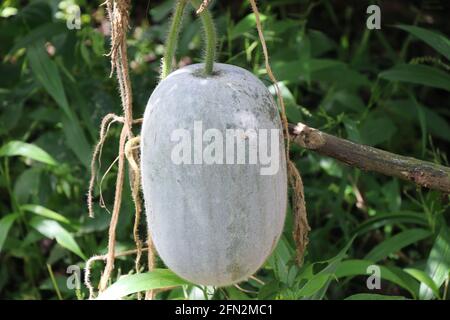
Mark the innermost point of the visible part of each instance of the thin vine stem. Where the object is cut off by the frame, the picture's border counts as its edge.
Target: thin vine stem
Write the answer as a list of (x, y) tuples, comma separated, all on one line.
[(210, 36), (172, 38)]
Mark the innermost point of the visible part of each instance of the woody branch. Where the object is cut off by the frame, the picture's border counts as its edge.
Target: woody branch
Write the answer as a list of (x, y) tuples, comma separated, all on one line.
[(422, 173)]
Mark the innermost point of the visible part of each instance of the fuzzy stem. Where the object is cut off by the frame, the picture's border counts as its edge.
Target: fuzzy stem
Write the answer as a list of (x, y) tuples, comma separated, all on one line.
[(210, 36), (172, 38)]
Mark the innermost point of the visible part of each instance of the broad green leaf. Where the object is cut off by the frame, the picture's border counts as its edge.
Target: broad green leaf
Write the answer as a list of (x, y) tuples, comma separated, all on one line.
[(53, 230), (354, 267), (376, 130), (5, 224), (36, 13), (396, 243), (269, 291), (279, 259), (161, 11), (314, 285), (437, 41), (409, 110), (48, 75), (19, 148), (235, 294), (373, 296), (383, 219), (156, 279), (318, 283), (8, 12), (424, 279), (296, 71), (418, 74), (292, 109), (245, 25), (43, 32), (353, 133), (44, 212), (26, 185), (46, 71), (320, 42), (438, 263), (342, 76)]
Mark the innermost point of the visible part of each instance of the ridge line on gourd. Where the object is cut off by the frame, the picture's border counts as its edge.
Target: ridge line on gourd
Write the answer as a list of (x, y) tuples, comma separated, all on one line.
[(212, 222)]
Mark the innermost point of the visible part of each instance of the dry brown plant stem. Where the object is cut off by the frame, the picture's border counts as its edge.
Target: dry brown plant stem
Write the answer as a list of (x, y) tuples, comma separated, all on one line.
[(301, 226)]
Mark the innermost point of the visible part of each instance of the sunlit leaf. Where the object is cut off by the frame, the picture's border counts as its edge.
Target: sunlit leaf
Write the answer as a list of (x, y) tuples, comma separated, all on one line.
[(424, 279), (396, 243), (156, 279), (53, 230), (383, 219), (438, 263), (418, 74), (350, 268), (19, 148), (437, 41), (373, 296), (318, 284), (5, 224), (245, 25), (44, 212), (46, 71)]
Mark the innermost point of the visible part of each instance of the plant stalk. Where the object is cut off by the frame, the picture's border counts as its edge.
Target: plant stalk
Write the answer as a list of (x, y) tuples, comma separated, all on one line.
[(172, 38), (210, 37)]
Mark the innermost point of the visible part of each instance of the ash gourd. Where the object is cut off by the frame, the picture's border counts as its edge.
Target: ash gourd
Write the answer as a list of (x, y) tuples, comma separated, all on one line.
[(212, 224)]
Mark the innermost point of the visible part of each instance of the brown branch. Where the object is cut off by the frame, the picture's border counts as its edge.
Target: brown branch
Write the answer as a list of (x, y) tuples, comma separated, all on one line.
[(422, 173)]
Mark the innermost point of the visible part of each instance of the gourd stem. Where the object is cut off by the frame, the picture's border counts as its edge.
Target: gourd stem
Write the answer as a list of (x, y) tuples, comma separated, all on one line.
[(172, 38), (210, 37)]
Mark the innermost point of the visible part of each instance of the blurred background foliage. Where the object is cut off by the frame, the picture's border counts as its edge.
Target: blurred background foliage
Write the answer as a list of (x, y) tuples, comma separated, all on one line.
[(387, 88)]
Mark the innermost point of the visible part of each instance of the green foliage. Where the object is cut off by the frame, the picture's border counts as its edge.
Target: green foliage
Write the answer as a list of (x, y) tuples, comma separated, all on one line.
[(156, 279), (387, 88)]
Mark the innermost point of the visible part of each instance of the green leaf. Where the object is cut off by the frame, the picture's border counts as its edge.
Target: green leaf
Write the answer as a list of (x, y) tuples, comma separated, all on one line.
[(19, 148), (376, 130), (410, 111), (373, 296), (161, 11), (314, 285), (26, 185), (46, 71), (245, 25), (269, 291), (437, 41), (5, 224), (396, 243), (296, 71), (354, 267), (44, 212), (292, 109), (424, 279), (43, 32), (342, 76), (53, 230), (382, 219), (418, 74), (156, 279), (279, 259), (235, 294), (438, 263), (318, 283)]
